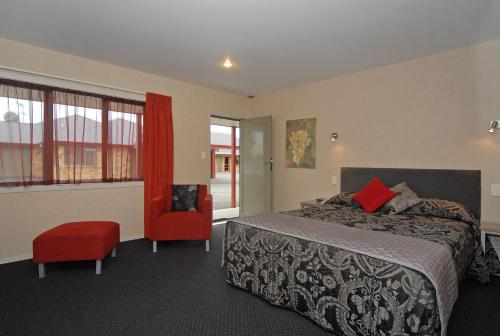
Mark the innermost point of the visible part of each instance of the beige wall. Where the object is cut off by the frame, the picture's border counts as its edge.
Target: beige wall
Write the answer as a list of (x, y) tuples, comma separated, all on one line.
[(24, 215), (430, 112)]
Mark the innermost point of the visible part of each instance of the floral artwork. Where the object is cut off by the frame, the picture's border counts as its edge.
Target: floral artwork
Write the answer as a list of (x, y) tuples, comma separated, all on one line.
[(301, 143)]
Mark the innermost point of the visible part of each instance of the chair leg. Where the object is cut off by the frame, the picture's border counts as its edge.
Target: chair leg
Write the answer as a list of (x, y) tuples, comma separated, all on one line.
[(155, 246), (41, 270), (113, 252), (98, 266), (207, 245)]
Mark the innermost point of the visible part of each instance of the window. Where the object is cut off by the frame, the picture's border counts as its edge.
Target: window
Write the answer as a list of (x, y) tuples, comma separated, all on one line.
[(77, 128), (124, 140), (89, 157), (21, 135), (51, 135)]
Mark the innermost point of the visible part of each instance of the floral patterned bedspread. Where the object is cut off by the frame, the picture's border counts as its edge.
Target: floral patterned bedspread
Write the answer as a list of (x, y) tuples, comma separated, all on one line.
[(459, 236), (345, 292)]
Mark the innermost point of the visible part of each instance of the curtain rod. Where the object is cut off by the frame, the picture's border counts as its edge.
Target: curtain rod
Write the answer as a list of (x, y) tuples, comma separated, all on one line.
[(69, 80)]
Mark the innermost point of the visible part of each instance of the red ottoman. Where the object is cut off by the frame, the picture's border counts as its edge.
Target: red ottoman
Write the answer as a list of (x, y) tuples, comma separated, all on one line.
[(76, 241)]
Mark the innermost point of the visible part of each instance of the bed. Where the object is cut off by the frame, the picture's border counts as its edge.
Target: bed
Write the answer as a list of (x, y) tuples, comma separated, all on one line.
[(355, 273)]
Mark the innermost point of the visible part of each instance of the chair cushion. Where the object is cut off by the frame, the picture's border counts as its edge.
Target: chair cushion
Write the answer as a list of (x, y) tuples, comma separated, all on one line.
[(178, 217), (185, 197), (181, 225)]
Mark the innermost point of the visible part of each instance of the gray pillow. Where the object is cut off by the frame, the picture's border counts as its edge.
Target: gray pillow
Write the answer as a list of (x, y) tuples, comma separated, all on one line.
[(405, 198)]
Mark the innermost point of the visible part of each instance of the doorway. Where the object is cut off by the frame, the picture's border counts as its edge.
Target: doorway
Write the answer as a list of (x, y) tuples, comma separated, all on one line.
[(225, 167)]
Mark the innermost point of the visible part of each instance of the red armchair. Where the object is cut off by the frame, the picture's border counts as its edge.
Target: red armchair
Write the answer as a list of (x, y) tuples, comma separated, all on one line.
[(181, 225)]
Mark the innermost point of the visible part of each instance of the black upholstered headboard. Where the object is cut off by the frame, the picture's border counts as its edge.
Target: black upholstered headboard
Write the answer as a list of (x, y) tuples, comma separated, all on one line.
[(462, 186)]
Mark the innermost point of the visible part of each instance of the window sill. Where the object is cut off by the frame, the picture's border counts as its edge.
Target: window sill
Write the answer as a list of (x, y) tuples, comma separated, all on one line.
[(65, 187)]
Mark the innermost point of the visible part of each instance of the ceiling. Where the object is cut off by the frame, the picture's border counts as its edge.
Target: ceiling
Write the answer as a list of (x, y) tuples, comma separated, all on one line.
[(276, 43)]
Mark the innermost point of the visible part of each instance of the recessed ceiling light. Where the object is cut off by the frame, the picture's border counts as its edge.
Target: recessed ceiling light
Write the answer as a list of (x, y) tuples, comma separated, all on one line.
[(227, 63)]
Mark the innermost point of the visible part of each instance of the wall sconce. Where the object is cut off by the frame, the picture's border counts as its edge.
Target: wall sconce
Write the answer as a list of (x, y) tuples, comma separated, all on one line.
[(494, 124), (334, 136)]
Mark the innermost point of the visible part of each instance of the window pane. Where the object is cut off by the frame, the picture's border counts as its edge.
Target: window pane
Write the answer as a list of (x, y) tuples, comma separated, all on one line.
[(124, 141), (89, 157), (21, 135), (77, 138)]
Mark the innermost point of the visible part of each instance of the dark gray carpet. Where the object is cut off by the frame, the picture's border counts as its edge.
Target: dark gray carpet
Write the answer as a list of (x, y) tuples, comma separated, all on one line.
[(179, 291)]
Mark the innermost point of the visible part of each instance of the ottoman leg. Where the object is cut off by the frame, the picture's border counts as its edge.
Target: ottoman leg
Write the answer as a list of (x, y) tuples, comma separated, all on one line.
[(207, 245), (41, 270), (155, 246), (98, 267), (113, 252)]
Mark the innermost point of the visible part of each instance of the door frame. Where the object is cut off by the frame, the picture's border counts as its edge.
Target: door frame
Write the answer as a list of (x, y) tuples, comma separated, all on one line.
[(232, 160)]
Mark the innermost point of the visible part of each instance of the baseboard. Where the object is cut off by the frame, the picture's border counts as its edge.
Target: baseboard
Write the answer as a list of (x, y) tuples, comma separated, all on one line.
[(30, 256), (15, 258), (132, 237)]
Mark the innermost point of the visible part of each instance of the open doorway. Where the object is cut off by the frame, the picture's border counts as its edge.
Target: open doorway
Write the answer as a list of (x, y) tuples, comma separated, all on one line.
[(225, 167)]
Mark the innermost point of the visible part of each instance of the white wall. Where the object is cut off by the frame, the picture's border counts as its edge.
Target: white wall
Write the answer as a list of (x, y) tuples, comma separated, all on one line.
[(430, 112), (24, 215)]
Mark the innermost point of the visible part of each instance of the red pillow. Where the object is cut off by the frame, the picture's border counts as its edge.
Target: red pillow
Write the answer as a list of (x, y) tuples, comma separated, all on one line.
[(374, 195)]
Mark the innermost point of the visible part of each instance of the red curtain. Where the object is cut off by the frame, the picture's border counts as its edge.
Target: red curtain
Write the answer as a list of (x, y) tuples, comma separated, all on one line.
[(158, 150)]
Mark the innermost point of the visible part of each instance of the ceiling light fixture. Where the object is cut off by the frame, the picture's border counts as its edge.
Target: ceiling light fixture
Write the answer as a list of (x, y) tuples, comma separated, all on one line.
[(227, 63)]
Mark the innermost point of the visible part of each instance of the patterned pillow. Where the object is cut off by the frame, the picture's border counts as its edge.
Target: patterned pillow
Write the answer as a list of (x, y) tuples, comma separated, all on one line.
[(405, 199), (443, 209), (185, 197), (344, 198)]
